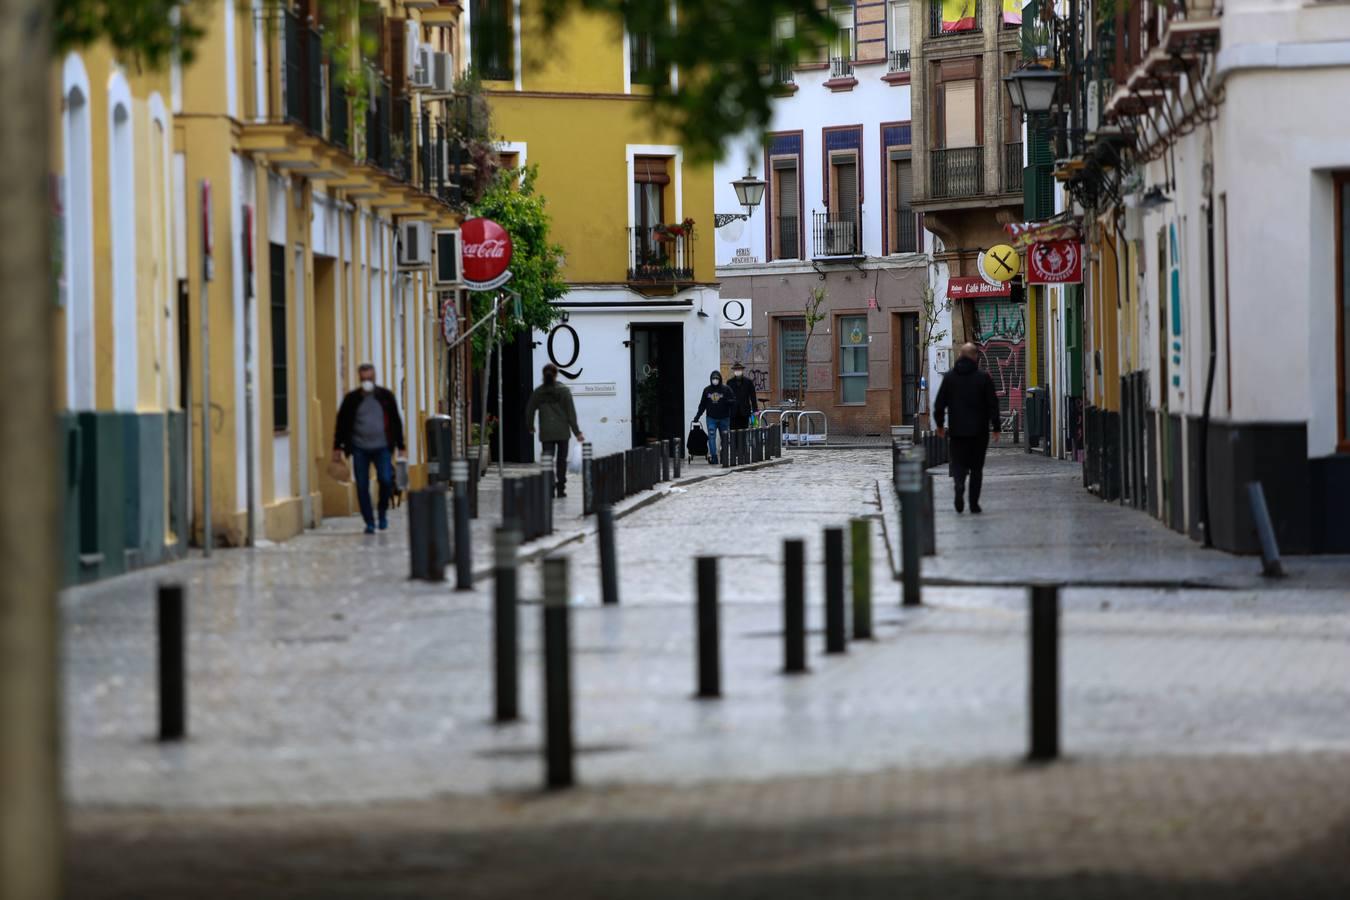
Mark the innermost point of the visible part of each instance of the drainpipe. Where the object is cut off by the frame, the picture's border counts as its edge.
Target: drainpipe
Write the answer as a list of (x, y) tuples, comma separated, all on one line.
[(1213, 357)]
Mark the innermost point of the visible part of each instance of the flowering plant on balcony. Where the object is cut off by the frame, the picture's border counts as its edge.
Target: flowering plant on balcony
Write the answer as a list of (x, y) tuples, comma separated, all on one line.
[(675, 230)]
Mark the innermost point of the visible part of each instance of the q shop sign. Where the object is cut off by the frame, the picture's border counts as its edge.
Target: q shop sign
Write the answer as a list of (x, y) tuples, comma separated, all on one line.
[(485, 249), (736, 314)]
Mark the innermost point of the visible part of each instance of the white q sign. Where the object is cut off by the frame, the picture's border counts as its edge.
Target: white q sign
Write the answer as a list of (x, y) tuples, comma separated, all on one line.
[(737, 314)]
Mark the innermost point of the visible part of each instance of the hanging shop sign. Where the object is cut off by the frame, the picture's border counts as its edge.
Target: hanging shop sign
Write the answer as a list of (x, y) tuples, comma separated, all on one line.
[(966, 287), (736, 314), (486, 251), (1055, 262), (999, 263)]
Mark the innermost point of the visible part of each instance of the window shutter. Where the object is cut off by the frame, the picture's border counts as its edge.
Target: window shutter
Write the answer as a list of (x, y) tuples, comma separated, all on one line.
[(960, 114), (787, 190), (846, 183)]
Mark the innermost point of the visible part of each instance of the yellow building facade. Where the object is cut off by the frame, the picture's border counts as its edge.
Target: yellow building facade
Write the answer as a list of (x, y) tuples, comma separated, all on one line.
[(633, 214), (244, 230)]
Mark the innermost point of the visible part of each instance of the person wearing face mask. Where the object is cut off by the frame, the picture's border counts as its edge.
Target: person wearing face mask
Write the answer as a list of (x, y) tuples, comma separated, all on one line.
[(557, 423), (370, 430), (719, 401), (747, 401)]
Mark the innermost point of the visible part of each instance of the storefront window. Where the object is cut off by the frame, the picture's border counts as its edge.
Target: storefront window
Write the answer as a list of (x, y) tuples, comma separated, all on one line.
[(853, 359)]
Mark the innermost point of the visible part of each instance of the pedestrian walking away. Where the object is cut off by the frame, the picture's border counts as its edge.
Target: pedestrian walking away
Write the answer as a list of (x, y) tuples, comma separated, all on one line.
[(719, 401), (370, 431), (557, 423), (968, 393), (747, 400)]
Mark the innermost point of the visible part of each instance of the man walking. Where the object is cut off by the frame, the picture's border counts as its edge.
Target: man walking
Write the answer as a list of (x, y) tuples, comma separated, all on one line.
[(720, 403), (369, 430), (747, 401), (969, 393), (557, 423)]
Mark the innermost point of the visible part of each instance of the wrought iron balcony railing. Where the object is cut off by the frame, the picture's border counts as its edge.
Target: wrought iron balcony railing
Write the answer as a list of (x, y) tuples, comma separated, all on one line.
[(660, 254), (898, 61), (835, 234), (906, 230), (970, 14), (1012, 167), (787, 245), (841, 67), (956, 173)]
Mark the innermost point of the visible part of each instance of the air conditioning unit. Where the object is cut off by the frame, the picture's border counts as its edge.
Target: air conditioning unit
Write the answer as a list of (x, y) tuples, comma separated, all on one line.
[(449, 264), (421, 68), (414, 244), (839, 238), (442, 73)]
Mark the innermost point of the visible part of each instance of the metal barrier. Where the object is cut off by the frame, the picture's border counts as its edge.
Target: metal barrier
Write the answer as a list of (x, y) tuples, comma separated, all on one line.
[(792, 423)]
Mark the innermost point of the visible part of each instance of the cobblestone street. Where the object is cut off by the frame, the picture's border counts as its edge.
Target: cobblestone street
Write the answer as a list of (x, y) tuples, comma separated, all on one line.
[(1206, 714)]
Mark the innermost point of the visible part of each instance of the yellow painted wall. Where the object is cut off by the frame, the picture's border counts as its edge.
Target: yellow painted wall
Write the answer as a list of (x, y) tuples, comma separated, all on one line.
[(583, 55)]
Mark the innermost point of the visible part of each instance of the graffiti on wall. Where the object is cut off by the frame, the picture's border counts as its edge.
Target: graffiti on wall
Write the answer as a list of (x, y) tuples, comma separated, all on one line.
[(751, 351), (1001, 336)]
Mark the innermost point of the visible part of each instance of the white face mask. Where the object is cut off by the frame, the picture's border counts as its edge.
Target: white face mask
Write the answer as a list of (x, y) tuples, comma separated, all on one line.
[(367, 385)]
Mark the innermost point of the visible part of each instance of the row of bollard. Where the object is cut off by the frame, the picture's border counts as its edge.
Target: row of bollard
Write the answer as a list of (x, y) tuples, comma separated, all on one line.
[(608, 479), (528, 500), (935, 449), (746, 446), (430, 545)]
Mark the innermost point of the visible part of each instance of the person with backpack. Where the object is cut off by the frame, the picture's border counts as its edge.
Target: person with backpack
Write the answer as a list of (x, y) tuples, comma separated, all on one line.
[(719, 401), (557, 423)]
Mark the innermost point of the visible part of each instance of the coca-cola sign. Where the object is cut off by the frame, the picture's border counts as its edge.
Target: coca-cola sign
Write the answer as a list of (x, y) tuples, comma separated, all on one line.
[(485, 249)]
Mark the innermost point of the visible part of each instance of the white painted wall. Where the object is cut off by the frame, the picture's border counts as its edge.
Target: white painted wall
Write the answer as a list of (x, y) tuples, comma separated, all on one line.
[(79, 236), (122, 230), (607, 420)]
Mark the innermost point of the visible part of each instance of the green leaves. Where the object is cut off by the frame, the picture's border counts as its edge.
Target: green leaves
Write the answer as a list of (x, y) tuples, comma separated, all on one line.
[(148, 30)]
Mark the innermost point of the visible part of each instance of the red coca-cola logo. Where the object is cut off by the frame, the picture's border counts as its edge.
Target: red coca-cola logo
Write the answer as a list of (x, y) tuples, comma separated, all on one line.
[(486, 250)]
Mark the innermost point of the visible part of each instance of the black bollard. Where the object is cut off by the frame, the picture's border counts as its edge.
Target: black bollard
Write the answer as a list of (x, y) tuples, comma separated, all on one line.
[(505, 631), (419, 531), (587, 479), (928, 531), (860, 558), (1044, 673), (909, 486), (557, 677), (609, 563), (709, 641), (724, 449), (172, 663), (459, 475), (665, 460), (836, 637), (548, 475), (676, 455), (794, 607)]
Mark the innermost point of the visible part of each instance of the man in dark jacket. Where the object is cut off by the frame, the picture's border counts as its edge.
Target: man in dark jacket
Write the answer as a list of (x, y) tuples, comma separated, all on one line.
[(557, 423), (369, 430), (969, 393), (719, 401), (746, 399)]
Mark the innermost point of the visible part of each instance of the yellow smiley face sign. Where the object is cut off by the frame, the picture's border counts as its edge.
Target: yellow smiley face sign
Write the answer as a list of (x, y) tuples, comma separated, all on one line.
[(1000, 263)]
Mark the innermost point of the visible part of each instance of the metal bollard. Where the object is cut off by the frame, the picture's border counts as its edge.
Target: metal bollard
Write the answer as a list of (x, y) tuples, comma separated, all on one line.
[(724, 449), (928, 530), (861, 560), (557, 677), (664, 448), (709, 640), (549, 474), (459, 475), (1044, 679), (1271, 567), (676, 455), (836, 637), (505, 631), (587, 478), (909, 487), (419, 540), (794, 607), (609, 563), (172, 622)]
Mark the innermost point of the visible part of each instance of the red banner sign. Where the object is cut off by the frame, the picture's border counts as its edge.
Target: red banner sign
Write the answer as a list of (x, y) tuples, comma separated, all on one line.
[(972, 286), (1055, 262), (485, 248)]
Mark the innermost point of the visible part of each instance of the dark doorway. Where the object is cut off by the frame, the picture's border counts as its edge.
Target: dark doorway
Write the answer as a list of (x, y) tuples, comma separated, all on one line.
[(909, 367), (658, 382), (519, 379)]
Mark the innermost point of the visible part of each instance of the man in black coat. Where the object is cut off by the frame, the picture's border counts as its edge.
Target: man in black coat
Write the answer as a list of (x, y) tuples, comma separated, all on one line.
[(747, 401), (968, 391), (370, 430)]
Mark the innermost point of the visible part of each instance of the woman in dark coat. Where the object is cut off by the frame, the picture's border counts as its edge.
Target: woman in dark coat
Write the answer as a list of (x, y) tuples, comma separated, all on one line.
[(969, 393)]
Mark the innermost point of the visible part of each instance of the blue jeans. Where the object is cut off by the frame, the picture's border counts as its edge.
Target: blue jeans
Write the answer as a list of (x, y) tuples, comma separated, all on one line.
[(383, 460), (714, 426)]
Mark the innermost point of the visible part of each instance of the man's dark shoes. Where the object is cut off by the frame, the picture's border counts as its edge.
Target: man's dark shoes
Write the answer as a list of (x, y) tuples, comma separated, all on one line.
[(562, 492), (975, 507), (960, 503)]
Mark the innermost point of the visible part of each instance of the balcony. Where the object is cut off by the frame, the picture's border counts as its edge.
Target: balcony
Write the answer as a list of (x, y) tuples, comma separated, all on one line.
[(971, 12), (906, 230), (787, 240), (1012, 167), (897, 61), (956, 173), (660, 255), (841, 67), (834, 234)]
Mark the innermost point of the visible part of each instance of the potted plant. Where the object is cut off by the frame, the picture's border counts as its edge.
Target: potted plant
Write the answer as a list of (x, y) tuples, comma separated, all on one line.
[(481, 434)]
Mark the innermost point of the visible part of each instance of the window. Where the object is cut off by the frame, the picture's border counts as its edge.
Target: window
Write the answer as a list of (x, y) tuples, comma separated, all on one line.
[(959, 114), (642, 68), (491, 39), (784, 30), (122, 218), (786, 238), (904, 224), (280, 371), (897, 34), (853, 359), (791, 356), (1343, 309), (508, 159), (651, 178), (842, 233), (841, 46)]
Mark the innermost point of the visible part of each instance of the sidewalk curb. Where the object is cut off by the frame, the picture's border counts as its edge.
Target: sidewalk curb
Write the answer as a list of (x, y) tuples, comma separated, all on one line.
[(544, 546)]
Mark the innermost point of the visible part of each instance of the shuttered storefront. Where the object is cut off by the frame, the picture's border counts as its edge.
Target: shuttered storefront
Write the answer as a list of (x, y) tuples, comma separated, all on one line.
[(1001, 334)]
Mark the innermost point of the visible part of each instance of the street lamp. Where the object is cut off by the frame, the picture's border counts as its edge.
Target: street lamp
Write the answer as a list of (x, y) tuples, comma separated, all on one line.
[(749, 192), (1032, 89)]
